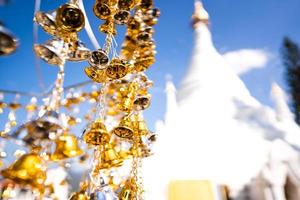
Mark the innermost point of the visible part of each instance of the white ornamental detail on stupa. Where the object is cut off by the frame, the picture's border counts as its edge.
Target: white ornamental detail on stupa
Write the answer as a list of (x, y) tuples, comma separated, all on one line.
[(215, 130)]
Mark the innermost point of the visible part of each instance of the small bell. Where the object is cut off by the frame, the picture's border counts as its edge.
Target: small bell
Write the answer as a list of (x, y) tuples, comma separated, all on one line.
[(134, 26), (96, 74), (28, 170), (125, 129), (117, 69), (126, 4), (142, 102), (99, 59), (141, 64), (141, 127), (146, 4), (97, 134), (108, 27), (14, 106), (70, 18), (66, 147), (152, 16), (78, 52), (102, 11), (129, 191), (109, 158), (46, 21), (53, 52), (8, 43), (122, 17), (141, 151), (39, 129), (128, 96)]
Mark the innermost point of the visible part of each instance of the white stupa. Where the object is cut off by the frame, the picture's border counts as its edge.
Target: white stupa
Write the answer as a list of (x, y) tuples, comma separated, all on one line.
[(215, 130)]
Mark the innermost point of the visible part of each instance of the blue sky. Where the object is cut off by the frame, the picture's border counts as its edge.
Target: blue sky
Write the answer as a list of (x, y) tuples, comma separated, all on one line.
[(235, 24)]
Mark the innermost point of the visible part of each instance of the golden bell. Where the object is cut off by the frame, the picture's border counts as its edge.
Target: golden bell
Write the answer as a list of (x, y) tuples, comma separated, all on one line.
[(128, 96), (125, 129), (129, 191), (66, 147), (151, 16), (28, 169), (8, 43), (97, 134), (126, 104), (141, 151), (46, 21), (102, 10), (142, 102), (134, 26), (128, 48), (141, 127), (96, 74), (70, 18), (108, 27), (126, 4), (78, 51), (146, 4), (14, 106), (122, 17), (99, 59), (117, 69), (53, 52), (39, 129), (142, 64), (79, 196), (109, 158)]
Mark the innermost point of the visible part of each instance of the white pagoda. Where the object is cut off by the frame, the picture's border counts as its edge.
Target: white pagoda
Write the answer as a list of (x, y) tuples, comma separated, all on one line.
[(215, 131)]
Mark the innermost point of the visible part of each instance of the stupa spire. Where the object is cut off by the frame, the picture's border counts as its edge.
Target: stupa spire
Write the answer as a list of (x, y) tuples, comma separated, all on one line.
[(200, 14)]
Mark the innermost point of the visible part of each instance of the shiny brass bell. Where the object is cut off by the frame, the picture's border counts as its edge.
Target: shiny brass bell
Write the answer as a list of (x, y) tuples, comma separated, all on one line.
[(117, 69), (126, 4), (129, 190), (8, 43), (125, 129), (46, 21), (96, 134), (141, 64), (66, 147), (146, 4), (99, 59), (122, 17), (53, 52), (39, 130), (141, 150), (102, 10), (28, 169), (69, 18), (142, 128), (78, 51), (109, 158), (152, 16), (142, 102), (108, 27), (128, 96), (96, 74)]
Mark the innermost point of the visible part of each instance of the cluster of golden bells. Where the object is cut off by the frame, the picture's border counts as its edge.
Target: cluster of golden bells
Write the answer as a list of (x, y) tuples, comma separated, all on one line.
[(116, 133)]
